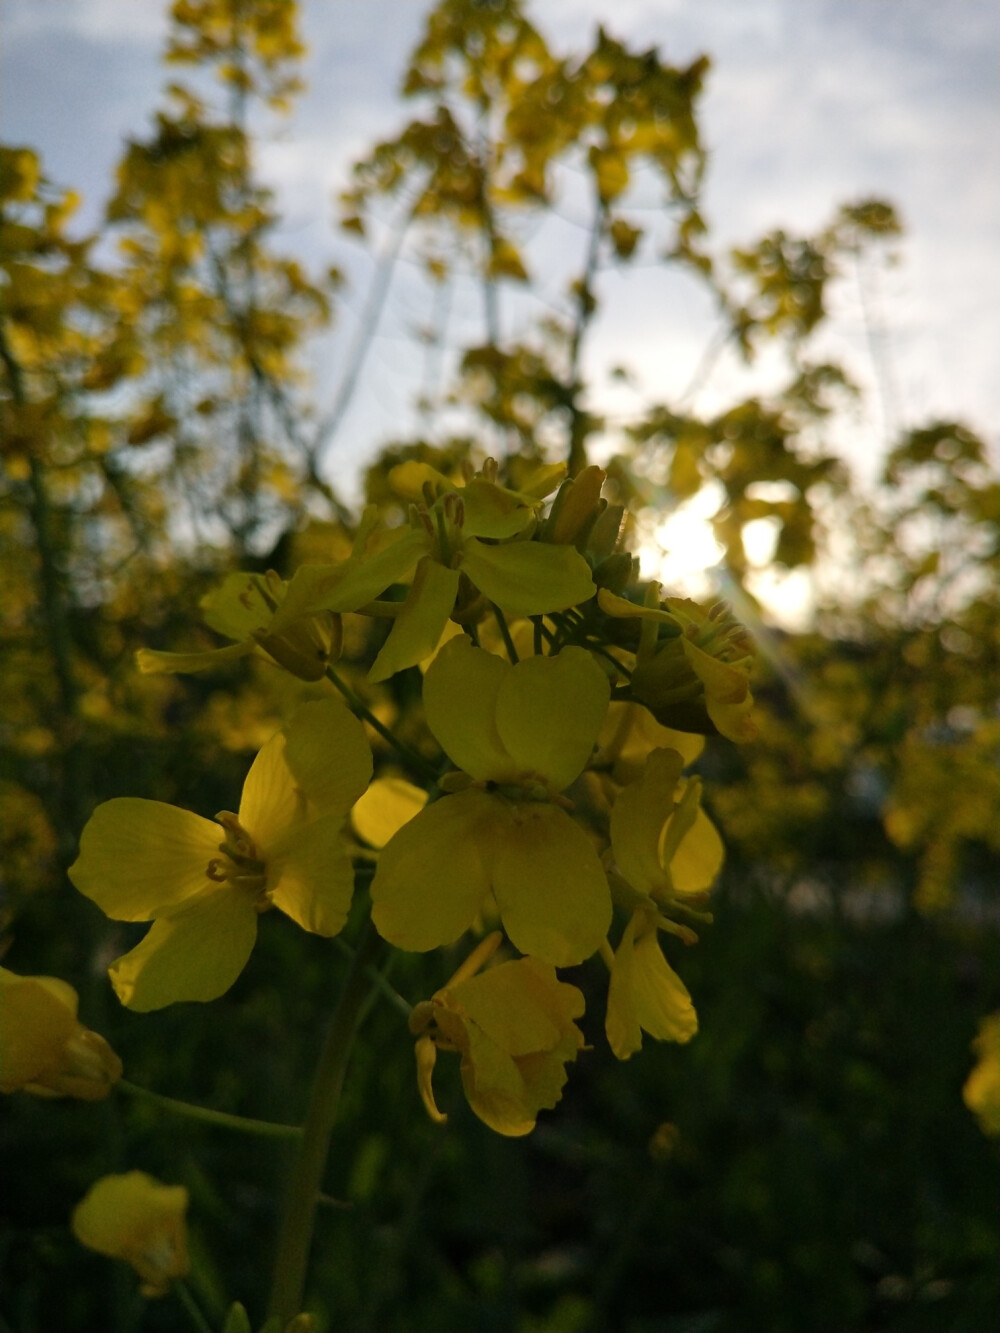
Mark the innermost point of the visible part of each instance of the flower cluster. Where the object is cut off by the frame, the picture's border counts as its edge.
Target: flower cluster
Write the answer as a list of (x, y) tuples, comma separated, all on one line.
[(540, 800)]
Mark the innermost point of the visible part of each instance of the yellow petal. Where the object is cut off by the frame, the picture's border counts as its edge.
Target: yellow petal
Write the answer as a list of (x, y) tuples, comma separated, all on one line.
[(417, 629), (195, 954), (528, 578), (553, 895), (521, 1005), (727, 692), (549, 711), (461, 688), (272, 801), (494, 511), (36, 1022), (310, 876), (495, 1088), (432, 877), (328, 755), (152, 662), (136, 1218), (699, 857), (238, 607), (139, 857), (645, 993), (637, 819), (384, 808), (364, 577)]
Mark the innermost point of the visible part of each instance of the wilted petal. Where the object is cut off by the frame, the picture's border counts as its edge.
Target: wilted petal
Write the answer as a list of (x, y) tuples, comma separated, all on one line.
[(432, 876), (549, 711), (195, 954), (528, 578), (552, 893), (140, 857), (645, 993)]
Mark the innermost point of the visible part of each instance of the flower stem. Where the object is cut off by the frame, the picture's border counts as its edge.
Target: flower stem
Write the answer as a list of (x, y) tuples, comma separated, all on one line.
[(192, 1307), (244, 1124), (295, 1236), (501, 620), (361, 710)]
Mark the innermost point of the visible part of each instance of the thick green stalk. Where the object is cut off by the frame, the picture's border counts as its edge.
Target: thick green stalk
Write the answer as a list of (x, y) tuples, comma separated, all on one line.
[(304, 1186)]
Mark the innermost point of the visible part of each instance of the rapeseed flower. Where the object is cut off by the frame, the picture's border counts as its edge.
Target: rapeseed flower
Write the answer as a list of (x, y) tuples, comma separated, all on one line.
[(665, 849), (44, 1048), (138, 1219), (147, 861), (520, 734), (513, 1026), (981, 1092)]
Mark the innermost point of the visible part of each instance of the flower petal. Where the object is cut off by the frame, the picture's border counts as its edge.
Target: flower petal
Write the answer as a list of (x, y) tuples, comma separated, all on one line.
[(528, 578), (549, 711), (195, 954), (384, 808), (645, 993), (139, 857), (521, 1005), (553, 895), (151, 662), (312, 877), (432, 875), (272, 801), (36, 1022), (361, 578), (638, 817), (417, 629), (494, 1086), (460, 695), (698, 859), (328, 755)]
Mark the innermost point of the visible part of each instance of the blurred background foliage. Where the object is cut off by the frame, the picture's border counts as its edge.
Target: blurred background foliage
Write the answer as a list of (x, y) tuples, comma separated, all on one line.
[(808, 1162)]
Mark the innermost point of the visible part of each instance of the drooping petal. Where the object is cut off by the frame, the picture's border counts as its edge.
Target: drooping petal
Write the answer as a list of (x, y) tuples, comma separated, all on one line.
[(384, 808), (194, 954), (727, 692), (152, 662), (699, 857), (310, 875), (460, 698), (552, 893), (494, 1086), (140, 857), (549, 711), (521, 1005), (417, 629), (328, 755), (432, 876), (637, 819), (528, 578), (645, 993)]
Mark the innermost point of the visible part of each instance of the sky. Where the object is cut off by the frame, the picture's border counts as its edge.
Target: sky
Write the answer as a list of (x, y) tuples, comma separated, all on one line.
[(809, 103)]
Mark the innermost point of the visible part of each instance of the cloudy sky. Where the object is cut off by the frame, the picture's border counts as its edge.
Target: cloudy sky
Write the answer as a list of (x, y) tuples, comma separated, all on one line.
[(809, 103)]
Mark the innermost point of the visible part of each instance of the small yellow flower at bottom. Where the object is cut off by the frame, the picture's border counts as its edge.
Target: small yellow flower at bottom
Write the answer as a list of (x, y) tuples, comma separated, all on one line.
[(513, 1026), (138, 1219), (44, 1049), (981, 1092)]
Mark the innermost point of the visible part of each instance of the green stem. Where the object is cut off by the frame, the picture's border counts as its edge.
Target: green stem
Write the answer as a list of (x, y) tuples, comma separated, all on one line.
[(505, 633), (191, 1305), (244, 1124), (379, 980), (360, 709), (295, 1236)]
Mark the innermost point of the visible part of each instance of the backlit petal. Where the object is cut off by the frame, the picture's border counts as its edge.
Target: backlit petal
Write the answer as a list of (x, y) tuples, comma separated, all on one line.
[(195, 954), (528, 578), (645, 993), (699, 858), (460, 697), (432, 875), (139, 857), (384, 808), (310, 875), (417, 629), (549, 711), (151, 662), (272, 801), (637, 819), (363, 577), (552, 893), (328, 755)]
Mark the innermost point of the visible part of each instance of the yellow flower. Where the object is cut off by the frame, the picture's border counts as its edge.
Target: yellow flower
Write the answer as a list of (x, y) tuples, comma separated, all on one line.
[(250, 608), (665, 849), (982, 1088), (521, 734), (693, 664), (147, 861), (44, 1049), (445, 540), (138, 1219), (513, 1026)]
